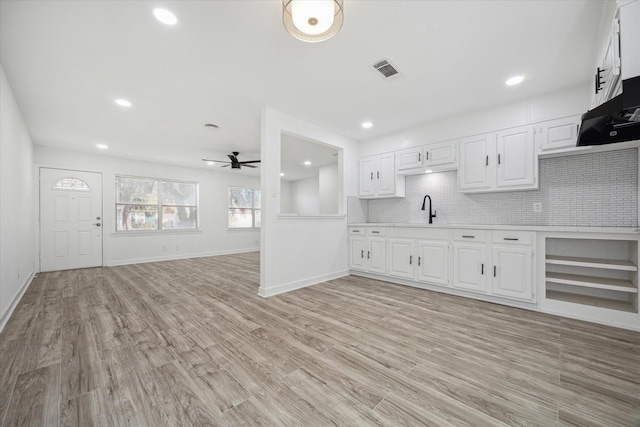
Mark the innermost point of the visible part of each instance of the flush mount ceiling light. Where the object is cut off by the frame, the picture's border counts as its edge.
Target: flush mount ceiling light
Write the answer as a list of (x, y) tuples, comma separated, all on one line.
[(102, 146), (123, 102), (307, 163), (514, 80), (165, 16), (367, 125), (312, 20)]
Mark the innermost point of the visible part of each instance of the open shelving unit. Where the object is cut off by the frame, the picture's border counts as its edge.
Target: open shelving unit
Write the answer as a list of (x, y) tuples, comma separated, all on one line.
[(593, 272)]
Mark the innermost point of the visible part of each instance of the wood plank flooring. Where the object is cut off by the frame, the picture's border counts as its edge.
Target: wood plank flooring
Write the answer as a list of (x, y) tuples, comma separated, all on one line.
[(189, 342)]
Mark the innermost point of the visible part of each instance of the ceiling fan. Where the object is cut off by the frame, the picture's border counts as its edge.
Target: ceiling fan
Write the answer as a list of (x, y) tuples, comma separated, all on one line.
[(235, 163)]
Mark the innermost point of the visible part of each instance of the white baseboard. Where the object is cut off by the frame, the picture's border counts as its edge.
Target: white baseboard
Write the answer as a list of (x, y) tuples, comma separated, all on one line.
[(177, 257), (292, 286), (16, 299)]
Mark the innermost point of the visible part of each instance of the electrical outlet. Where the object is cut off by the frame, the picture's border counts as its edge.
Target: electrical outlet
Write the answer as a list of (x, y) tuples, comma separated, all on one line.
[(537, 207)]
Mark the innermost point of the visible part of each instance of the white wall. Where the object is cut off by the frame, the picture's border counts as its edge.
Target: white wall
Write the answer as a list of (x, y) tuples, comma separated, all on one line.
[(305, 196), (298, 252), (568, 102), (213, 238), (17, 251), (328, 188)]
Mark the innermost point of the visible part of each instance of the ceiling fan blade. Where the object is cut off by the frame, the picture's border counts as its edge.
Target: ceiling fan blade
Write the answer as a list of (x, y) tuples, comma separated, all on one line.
[(249, 166), (217, 161), (250, 161), (227, 165)]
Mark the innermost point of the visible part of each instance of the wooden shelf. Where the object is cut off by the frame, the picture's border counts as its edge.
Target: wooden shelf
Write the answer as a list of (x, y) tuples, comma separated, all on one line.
[(592, 301), (592, 282), (610, 264)]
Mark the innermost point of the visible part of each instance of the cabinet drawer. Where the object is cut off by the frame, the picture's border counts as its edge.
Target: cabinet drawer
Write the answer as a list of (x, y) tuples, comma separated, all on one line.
[(376, 231), (470, 235), (513, 238), (357, 230)]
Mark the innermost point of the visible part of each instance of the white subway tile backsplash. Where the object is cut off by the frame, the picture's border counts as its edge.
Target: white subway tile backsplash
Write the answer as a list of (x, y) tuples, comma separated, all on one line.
[(598, 190)]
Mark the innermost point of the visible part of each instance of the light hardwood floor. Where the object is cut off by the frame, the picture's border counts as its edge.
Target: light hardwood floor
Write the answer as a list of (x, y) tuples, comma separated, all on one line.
[(189, 342)]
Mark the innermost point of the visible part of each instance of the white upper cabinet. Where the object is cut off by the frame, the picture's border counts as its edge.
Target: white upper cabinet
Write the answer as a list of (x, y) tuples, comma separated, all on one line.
[(517, 165), (440, 155), (502, 161), (630, 39), (378, 177), (608, 71), (475, 173), (557, 134), (437, 157), (410, 159)]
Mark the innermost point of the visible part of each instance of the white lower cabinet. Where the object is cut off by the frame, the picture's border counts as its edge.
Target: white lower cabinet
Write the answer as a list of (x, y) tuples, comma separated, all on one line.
[(512, 273), (400, 258), (367, 250), (495, 263), (433, 262), (469, 266)]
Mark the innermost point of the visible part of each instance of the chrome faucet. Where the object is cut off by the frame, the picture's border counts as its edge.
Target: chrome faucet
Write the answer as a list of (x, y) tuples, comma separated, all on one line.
[(431, 215)]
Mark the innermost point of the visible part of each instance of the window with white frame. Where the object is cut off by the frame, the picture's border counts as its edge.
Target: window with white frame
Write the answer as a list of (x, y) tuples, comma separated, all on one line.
[(244, 207), (155, 204)]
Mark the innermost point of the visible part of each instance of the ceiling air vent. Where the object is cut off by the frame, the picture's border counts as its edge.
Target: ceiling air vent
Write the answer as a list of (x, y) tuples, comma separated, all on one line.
[(385, 68)]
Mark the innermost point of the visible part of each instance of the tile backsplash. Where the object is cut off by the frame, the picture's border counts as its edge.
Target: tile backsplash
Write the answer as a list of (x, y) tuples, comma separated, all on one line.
[(598, 190)]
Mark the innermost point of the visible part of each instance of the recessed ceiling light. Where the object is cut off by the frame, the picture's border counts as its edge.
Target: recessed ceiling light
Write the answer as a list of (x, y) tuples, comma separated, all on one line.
[(307, 163), (164, 16), (210, 163), (428, 171), (123, 102), (514, 80), (367, 125), (281, 173), (102, 146)]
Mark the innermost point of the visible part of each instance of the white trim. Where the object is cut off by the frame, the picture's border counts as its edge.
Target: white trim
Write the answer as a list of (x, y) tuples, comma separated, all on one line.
[(16, 299), (292, 286), (176, 257), (314, 217)]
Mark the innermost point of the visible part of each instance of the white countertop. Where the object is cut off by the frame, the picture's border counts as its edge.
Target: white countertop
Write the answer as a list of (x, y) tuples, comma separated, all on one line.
[(544, 228)]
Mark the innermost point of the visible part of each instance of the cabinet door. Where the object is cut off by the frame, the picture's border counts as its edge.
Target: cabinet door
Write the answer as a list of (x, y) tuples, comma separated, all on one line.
[(476, 168), (516, 159), (513, 273), (556, 134), (376, 254), (410, 158), (400, 258), (367, 171), (357, 253), (386, 175), (440, 154), (470, 267), (433, 262)]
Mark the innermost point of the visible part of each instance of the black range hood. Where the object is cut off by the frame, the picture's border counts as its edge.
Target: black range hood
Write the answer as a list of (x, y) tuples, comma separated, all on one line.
[(617, 120)]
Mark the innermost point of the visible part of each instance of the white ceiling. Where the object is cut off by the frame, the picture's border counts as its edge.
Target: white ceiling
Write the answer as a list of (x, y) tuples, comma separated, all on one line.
[(225, 60)]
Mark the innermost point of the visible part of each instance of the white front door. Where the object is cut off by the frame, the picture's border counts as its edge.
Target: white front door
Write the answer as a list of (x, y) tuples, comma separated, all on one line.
[(70, 219)]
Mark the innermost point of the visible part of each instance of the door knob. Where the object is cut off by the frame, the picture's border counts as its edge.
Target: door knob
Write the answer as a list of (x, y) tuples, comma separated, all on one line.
[(98, 224)]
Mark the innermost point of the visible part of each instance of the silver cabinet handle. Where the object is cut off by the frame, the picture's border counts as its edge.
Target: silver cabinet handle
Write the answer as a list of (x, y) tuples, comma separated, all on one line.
[(511, 238), (469, 237), (98, 224), (410, 259)]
